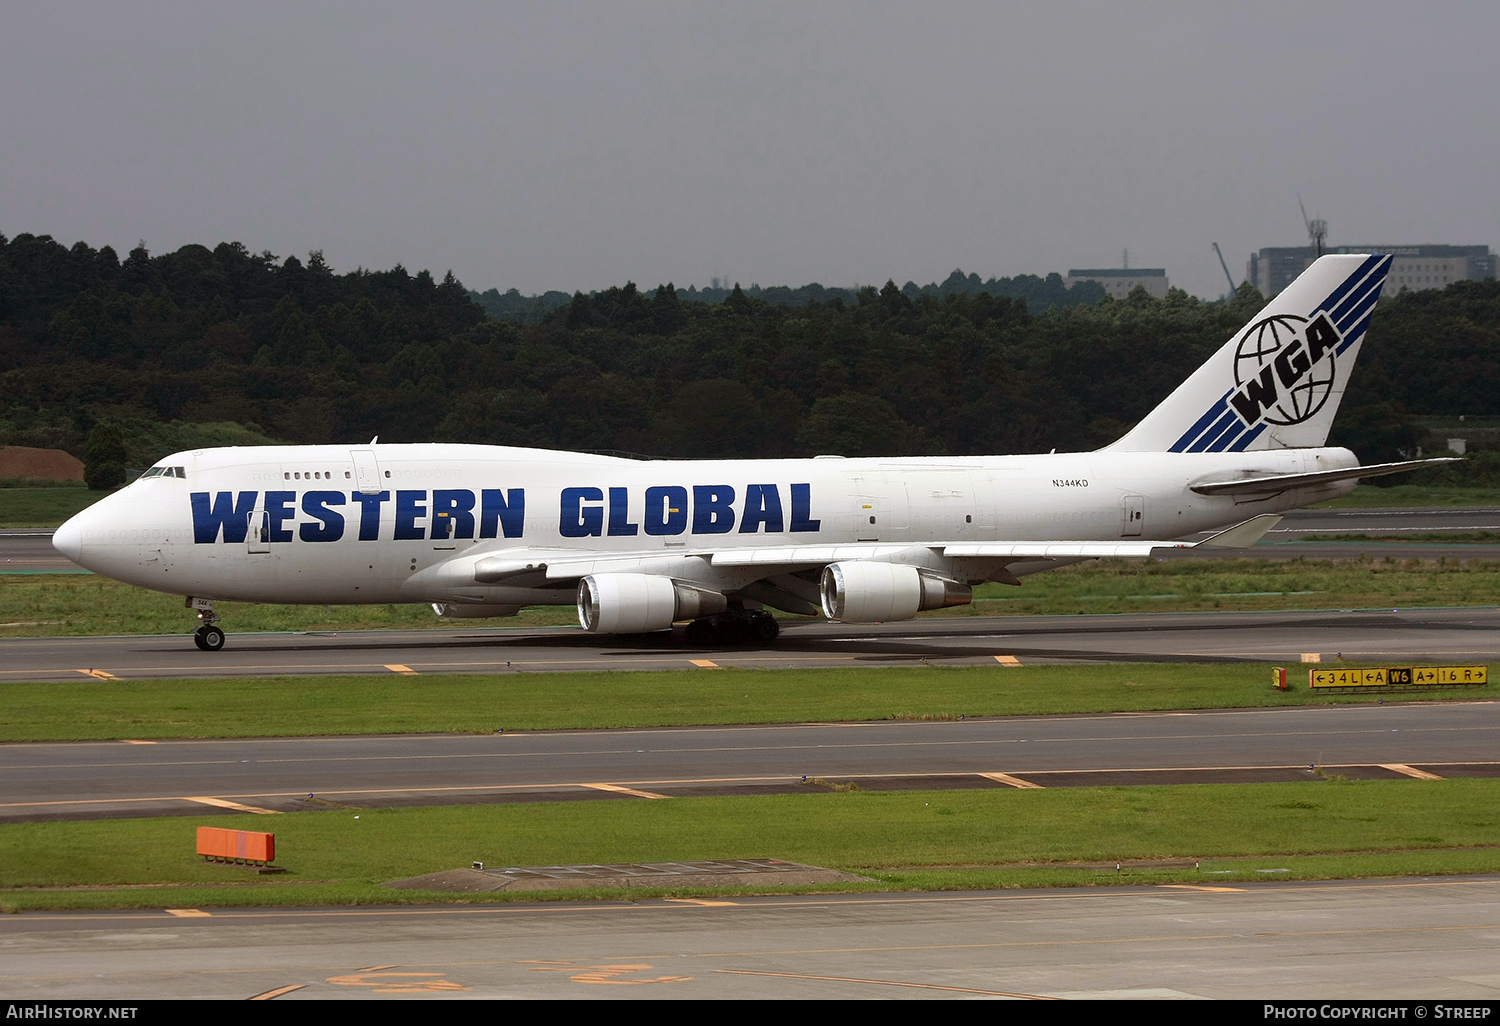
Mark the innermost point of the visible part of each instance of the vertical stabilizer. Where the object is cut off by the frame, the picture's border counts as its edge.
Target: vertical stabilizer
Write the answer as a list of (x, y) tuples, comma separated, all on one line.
[(1278, 382)]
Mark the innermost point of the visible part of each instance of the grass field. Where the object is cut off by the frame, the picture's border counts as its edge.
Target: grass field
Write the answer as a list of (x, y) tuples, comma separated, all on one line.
[(91, 709), (1368, 496), (926, 840), (44, 506), (52, 605)]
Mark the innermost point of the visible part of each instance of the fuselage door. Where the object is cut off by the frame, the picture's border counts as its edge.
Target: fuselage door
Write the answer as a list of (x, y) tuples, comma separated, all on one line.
[(258, 533), (366, 469), (1132, 515)]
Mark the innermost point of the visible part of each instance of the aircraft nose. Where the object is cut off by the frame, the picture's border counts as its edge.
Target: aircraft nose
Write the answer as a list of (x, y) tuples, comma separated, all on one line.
[(68, 539)]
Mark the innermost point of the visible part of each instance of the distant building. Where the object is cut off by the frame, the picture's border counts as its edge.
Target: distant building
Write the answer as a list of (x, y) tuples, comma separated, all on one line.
[(1119, 282), (1414, 267)]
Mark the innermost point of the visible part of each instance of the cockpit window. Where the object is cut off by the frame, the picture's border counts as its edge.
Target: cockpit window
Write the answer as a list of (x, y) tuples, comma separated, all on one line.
[(154, 472), (180, 472), (166, 472)]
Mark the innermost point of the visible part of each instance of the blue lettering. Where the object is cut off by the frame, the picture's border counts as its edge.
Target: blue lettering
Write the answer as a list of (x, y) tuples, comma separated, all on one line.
[(509, 509), (331, 525), (578, 520), (619, 514), (713, 509), (408, 512), (369, 513), (233, 517), (278, 511), (453, 507), (762, 506), (802, 509), (666, 510)]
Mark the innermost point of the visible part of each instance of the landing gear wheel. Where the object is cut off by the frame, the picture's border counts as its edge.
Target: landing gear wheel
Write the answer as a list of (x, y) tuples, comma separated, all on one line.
[(209, 639), (702, 633), (764, 629)]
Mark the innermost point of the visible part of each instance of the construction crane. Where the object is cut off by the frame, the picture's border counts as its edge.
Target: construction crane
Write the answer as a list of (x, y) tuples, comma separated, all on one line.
[(1317, 229), (1227, 275)]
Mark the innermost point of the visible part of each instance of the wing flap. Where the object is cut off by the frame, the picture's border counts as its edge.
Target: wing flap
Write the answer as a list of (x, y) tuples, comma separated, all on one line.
[(1060, 549)]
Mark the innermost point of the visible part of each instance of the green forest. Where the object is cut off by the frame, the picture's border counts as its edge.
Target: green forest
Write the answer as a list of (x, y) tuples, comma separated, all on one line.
[(224, 346)]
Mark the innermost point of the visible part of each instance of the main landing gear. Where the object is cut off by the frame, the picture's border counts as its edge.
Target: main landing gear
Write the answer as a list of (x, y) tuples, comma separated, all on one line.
[(208, 636), (757, 628)]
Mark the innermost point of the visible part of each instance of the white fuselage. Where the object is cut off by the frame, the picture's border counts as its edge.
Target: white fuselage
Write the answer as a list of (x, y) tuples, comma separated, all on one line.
[(368, 524)]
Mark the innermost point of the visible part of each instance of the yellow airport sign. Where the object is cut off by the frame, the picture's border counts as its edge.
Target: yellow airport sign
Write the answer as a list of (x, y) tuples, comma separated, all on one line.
[(1396, 676)]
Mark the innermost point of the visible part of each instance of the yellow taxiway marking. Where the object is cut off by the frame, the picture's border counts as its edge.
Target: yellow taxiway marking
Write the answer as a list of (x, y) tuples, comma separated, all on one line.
[(397, 983), (187, 913), (1312, 657), (703, 902), (268, 995), (101, 674), (887, 983), (707, 664), (1410, 771), (1204, 887), (1007, 660), (1006, 778), (133, 741), (623, 790), (607, 973), (400, 668), (236, 806)]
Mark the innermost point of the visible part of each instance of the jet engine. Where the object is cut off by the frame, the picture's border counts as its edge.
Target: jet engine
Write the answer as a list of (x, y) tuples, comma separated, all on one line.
[(636, 603), (863, 592)]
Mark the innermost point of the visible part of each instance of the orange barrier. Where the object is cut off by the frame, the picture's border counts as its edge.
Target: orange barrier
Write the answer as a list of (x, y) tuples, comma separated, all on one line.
[(236, 845)]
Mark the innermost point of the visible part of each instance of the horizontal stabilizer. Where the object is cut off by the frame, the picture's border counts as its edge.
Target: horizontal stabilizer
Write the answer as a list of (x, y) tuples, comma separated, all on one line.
[(1281, 482), (1241, 536)]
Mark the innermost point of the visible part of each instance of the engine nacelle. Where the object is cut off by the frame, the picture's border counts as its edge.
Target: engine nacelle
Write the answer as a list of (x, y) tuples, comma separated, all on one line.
[(862, 592), (637, 603)]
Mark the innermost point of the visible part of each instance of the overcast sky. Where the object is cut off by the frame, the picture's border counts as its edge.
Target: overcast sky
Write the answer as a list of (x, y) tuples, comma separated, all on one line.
[(580, 145)]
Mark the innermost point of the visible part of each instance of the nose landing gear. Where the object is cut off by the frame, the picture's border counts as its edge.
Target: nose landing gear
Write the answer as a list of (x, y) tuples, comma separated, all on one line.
[(208, 636)]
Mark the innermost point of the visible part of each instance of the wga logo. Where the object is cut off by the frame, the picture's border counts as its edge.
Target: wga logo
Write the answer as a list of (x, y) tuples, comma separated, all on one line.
[(1284, 369)]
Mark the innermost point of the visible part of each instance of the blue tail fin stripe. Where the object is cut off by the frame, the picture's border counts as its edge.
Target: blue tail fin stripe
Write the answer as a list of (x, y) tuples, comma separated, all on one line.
[(1352, 336), (1359, 275), (1247, 437), (1227, 436), (1191, 434), (1208, 437), (1368, 292)]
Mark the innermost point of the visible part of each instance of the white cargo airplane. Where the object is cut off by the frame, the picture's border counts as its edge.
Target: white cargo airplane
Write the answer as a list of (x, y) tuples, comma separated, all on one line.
[(481, 531)]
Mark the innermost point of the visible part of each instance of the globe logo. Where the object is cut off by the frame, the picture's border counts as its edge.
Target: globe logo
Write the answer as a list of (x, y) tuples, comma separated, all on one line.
[(1259, 346)]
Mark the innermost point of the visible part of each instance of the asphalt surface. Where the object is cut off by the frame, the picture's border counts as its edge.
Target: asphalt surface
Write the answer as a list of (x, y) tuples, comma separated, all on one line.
[(1455, 635), (85, 780), (1412, 941)]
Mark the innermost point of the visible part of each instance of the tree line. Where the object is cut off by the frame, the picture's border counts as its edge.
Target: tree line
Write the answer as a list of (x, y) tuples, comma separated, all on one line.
[(223, 344)]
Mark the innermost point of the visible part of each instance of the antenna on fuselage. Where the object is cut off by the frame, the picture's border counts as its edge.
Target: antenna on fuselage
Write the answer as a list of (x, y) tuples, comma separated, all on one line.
[(375, 439)]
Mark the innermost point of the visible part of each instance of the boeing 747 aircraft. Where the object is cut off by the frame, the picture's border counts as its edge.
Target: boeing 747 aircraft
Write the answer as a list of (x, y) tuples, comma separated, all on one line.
[(480, 531)]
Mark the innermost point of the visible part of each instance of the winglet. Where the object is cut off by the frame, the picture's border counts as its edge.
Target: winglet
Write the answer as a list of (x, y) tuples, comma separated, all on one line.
[(1241, 536)]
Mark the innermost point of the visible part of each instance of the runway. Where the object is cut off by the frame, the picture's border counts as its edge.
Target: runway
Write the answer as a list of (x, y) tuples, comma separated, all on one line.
[(1394, 940), (89, 780), (1461, 635)]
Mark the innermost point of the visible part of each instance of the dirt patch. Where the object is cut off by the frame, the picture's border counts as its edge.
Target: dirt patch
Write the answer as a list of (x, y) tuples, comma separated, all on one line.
[(24, 463)]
